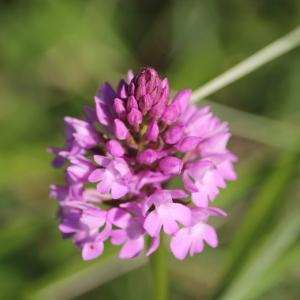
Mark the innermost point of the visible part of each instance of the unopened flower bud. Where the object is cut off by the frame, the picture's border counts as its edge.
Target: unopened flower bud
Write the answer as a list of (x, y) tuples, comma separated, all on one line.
[(122, 89), (119, 108), (171, 165), (157, 110), (131, 103), (147, 157), (188, 143), (173, 135), (121, 130), (145, 103), (170, 114), (135, 117), (152, 131), (140, 88), (114, 148)]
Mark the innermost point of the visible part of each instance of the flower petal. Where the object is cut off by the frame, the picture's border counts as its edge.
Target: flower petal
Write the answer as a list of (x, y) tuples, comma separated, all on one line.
[(103, 187), (92, 250), (132, 248), (118, 190), (152, 224), (118, 217), (180, 243), (121, 131), (210, 236), (200, 199), (96, 175), (118, 236), (153, 246), (181, 100), (181, 213)]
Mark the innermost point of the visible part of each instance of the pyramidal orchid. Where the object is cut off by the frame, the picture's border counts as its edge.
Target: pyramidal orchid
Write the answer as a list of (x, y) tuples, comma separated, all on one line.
[(118, 163)]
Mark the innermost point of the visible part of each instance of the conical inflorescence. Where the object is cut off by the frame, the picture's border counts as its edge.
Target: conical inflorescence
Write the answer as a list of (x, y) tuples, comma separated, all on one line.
[(118, 163)]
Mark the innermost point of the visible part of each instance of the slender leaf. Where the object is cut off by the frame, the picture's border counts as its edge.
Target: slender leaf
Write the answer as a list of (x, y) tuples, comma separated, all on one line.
[(259, 217)]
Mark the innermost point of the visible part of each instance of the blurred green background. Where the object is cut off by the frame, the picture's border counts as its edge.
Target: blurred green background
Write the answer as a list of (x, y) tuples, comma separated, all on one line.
[(53, 56)]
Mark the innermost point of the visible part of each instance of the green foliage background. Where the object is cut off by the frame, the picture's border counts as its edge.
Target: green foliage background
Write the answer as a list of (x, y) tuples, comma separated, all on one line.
[(53, 56)]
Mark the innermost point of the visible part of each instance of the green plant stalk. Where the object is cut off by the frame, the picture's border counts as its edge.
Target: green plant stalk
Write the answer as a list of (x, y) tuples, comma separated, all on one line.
[(159, 271)]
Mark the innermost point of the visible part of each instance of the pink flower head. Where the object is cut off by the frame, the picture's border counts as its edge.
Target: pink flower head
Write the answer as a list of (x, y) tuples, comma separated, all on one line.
[(123, 155)]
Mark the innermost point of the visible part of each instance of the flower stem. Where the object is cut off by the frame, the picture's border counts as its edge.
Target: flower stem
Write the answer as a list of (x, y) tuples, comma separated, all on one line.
[(255, 61), (159, 270)]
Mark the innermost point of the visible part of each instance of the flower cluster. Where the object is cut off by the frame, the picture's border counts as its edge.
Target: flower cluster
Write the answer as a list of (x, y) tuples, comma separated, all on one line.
[(120, 159)]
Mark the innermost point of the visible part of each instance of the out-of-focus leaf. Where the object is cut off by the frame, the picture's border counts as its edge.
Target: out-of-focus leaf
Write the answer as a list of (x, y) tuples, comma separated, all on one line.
[(81, 277), (261, 260), (289, 110), (260, 216), (257, 128), (249, 173), (277, 271), (22, 230)]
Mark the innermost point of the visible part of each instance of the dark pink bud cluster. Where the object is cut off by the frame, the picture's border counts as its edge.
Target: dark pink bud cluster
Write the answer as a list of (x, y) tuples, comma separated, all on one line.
[(120, 159)]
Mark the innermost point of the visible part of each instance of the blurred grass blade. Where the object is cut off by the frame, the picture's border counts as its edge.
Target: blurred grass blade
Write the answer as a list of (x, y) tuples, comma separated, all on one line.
[(86, 279), (255, 61), (276, 272), (268, 252), (259, 129), (258, 219), (250, 174), (20, 231)]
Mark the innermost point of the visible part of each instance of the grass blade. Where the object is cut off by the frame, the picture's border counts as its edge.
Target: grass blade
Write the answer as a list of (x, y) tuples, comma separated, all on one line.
[(259, 218), (255, 61)]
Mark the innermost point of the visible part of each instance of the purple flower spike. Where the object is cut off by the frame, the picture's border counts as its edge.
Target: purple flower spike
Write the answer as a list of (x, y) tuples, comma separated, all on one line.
[(122, 157)]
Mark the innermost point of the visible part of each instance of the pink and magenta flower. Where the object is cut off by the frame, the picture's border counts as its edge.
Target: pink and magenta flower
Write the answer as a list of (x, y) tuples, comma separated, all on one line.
[(118, 163)]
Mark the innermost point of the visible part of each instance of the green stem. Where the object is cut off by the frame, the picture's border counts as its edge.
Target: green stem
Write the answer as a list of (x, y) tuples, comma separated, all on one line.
[(159, 270)]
